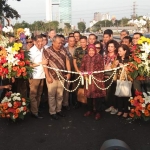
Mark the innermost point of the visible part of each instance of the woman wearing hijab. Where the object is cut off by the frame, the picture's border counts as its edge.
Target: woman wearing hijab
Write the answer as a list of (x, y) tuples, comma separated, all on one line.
[(93, 62)]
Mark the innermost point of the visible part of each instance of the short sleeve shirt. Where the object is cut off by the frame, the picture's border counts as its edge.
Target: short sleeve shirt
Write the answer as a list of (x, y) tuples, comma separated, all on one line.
[(78, 55)]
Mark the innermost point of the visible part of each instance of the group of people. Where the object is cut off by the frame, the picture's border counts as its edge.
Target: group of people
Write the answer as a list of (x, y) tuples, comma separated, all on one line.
[(79, 54)]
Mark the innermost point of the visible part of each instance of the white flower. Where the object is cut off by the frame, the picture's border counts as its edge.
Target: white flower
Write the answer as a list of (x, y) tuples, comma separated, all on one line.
[(15, 62), (18, 98), (143, 105), (8, 29), (23, 103), (145, 47), (9, 99), (14, 98), (27, 32), (18, 94), (5, 30), (24, 113), (11, 51), (9, 105), (21, 108), (11, 58), (144, 56)]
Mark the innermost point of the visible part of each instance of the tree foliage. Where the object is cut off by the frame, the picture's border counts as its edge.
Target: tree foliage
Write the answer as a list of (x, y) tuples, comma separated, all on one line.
[(7, 11), (67, 29), (106, 23), (38, 25), (81, 26)]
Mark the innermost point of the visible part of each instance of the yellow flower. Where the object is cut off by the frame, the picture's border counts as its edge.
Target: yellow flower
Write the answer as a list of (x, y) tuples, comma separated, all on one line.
[(140, 42), (143, 39), (148, 40), (15, 44), (20, 44), (17, 48)]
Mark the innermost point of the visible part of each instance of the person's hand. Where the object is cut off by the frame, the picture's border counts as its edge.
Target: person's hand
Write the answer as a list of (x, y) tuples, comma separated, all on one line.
[(49, 80), (44, 62), (116, 63), (7, 87), (108, 67), (120, 64), (67, 76), (13, 79)]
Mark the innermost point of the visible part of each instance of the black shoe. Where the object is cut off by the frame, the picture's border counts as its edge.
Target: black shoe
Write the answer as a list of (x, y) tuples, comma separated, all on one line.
[(36, 116), (61, 114), (66, 108), (54, 116)]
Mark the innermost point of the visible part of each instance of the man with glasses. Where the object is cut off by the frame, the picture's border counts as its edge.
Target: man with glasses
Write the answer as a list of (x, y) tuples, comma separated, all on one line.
[(29, 43)]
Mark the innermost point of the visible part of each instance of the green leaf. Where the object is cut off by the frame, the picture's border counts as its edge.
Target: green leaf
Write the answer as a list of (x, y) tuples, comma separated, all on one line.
[(134, 74), (145, 118), (21, 116)]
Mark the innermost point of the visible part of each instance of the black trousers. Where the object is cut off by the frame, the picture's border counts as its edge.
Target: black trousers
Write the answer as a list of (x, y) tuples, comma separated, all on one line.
[(98, 104), (123, 103), (110, 98)]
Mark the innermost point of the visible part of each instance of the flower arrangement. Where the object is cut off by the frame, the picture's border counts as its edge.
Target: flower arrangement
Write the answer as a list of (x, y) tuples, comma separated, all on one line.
[(140, 107), (14, 62), (139, 65), (23, 33), (13, 106)]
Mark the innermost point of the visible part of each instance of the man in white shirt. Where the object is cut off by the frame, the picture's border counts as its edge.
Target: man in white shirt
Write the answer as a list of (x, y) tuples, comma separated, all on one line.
[(38, 75)]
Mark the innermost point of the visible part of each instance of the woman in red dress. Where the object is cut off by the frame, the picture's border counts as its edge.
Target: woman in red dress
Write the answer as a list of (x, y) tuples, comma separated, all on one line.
[(93, 62)]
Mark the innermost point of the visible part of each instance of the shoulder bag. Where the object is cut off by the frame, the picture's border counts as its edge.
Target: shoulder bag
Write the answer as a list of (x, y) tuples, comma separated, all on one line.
[(123, 88)]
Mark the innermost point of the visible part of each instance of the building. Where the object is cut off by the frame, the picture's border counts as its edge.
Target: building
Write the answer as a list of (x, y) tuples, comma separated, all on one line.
[(97, 16), (65, 11), (48, 10), (106, 17), (58, 10)]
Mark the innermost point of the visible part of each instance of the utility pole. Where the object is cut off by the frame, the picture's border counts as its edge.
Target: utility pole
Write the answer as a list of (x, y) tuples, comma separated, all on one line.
[(134, 10)]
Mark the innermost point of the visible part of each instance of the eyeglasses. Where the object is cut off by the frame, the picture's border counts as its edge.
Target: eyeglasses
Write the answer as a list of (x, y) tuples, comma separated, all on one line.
[(98, 47), (29, 42)]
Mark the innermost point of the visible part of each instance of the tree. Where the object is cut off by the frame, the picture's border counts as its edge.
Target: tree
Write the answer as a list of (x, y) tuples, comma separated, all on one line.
[(23, 24), (67, 29), (88, 30), (81, 26), (7, 12), (51, 25)]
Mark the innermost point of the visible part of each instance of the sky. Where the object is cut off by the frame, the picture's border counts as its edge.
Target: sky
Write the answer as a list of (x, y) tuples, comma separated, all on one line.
[(34, 10)]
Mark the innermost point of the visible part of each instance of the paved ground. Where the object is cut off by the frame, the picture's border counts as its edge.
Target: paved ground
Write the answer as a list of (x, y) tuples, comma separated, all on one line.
[(74, 132)]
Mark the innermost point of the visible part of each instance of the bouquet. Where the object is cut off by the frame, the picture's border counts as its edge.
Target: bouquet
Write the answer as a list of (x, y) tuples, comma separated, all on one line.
[(14, 62), (139, 65), (13, 106), (140, 106)]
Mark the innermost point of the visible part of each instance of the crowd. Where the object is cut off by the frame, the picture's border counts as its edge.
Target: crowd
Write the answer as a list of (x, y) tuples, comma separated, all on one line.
[(79, 54)]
